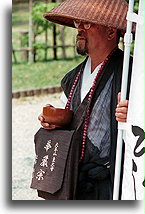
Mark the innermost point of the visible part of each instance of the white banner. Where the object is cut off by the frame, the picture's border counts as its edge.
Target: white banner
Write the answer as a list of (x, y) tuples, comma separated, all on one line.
[(133, 177)]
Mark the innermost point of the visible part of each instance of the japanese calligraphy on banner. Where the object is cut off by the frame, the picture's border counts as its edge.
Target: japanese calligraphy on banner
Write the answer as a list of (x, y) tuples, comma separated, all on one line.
[(133, 178)]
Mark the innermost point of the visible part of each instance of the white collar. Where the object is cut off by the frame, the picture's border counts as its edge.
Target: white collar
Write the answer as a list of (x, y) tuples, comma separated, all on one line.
[(88, 78)]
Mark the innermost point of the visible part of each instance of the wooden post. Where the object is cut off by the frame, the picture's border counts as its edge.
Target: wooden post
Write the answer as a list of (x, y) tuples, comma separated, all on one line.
[(74, 43), (46, 38), (46, 41), (31, 33), (54, 43), (62, 38), (24, 44), (54, 40), (15, 59)]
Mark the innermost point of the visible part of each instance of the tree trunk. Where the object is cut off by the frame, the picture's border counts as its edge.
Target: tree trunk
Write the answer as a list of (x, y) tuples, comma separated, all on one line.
[(74, 43), (15, 59), (34, 49), (54, 40), (62, 38), (31, 33), (46, 39), (24, 44)]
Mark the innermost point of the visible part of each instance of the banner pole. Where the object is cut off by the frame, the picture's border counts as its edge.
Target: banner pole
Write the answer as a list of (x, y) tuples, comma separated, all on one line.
[(127, 44)]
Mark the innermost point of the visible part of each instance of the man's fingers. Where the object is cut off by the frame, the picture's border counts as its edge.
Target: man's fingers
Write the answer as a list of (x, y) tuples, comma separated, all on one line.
[(41, 118), (119, 97), (120, 119), (120, 115), (122, 110), (47, 125), (49, 105), (123, 104)]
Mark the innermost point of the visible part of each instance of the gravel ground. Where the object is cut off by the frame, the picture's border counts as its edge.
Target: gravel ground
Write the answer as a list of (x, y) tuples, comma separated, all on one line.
[(25, 124)]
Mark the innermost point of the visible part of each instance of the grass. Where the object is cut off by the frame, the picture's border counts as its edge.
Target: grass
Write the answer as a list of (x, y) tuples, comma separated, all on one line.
[(40, 74)]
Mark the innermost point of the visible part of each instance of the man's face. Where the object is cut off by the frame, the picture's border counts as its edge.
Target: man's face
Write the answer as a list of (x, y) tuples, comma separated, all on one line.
[(90, 39), (82, 43)]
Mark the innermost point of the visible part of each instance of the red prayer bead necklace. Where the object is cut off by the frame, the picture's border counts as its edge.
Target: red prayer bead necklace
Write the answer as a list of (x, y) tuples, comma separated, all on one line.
[(90, 96)]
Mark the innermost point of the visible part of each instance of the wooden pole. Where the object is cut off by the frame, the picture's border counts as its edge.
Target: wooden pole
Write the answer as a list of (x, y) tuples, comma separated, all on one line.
[(15, 59), (46, 38), (54, 40), (46, 41), (74, 43), (62, 38), (31, 33), (24, 54)]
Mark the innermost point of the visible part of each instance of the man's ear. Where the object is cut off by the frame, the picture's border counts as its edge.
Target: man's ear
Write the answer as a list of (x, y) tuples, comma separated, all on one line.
[(112, 33)]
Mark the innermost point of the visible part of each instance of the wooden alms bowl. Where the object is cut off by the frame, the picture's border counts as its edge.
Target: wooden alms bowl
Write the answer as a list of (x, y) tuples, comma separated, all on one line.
[(57, 116)]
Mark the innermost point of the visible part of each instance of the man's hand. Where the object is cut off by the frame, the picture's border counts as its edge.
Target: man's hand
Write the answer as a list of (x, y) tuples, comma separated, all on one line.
[(121, 109), (44, 123)]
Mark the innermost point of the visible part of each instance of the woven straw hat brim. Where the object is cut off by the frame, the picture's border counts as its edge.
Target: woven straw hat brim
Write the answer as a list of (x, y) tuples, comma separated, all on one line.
[(110, 13)]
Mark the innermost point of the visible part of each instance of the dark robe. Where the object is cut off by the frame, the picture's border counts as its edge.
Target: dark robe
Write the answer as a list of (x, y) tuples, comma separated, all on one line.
[(97, 189)]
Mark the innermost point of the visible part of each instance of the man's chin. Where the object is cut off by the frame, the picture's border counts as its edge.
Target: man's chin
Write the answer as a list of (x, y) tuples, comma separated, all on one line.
[(82, 48), (82, 52)]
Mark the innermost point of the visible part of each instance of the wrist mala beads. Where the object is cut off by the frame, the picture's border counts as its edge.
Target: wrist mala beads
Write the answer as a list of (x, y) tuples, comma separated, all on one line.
[(90, 96)]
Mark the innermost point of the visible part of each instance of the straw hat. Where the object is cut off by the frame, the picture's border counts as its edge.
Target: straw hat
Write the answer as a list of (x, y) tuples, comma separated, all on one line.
[(111, 13)]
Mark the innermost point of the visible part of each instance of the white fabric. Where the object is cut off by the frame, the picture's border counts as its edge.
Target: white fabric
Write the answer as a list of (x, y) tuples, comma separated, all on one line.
[(88, 78), (87, 81), (133, 179), (63, 100)]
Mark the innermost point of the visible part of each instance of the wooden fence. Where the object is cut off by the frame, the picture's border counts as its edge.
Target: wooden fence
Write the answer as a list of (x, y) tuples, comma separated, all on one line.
[(25, 52), (24, 48)]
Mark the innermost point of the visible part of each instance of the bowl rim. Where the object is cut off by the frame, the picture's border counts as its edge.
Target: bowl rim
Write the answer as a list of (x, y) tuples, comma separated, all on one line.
[(60, 109)]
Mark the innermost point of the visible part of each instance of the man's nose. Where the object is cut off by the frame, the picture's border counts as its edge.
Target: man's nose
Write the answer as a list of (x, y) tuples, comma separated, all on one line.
[(81, 28)]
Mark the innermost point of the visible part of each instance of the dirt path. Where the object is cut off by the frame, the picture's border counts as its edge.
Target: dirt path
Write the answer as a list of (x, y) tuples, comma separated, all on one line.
[(24, 125)]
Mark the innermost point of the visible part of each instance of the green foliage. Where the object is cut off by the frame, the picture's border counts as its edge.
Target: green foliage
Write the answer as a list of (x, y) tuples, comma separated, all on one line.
[(136, 4), (25, 40), (40, 24)]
